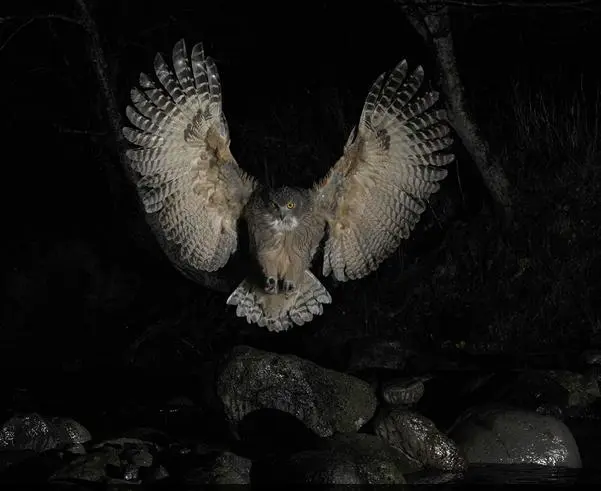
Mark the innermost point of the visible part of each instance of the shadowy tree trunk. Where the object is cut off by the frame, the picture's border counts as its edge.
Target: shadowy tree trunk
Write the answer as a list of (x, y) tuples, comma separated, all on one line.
[(213, 281), (120, 179), (432, 22)]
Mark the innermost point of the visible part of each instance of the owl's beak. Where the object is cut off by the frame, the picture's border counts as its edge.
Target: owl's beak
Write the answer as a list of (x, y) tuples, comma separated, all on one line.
[(283, 213)]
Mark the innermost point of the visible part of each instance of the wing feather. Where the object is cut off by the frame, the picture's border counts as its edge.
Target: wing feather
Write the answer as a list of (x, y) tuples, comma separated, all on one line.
[(392, 163), (189, 183)]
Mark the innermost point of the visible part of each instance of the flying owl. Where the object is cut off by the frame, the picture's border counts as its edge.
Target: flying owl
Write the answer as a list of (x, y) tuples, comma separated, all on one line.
[(195, 193)]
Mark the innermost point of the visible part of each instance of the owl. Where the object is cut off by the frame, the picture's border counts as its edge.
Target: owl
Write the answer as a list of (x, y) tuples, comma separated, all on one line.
[(195, 194)]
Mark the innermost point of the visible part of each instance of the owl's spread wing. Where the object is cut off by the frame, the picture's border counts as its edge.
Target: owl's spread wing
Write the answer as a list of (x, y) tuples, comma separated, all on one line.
[(190, 183), (393, 161)]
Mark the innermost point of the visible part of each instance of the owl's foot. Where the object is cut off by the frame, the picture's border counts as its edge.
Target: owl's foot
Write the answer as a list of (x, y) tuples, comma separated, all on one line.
[(289, 287), (271, 285)]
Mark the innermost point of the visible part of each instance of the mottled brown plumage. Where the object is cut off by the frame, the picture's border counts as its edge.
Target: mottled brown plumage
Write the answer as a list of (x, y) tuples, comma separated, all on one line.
[(192, 186)]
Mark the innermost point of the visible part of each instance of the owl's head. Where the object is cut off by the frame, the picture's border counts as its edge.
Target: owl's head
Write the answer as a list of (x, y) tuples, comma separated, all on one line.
[(286, 205)]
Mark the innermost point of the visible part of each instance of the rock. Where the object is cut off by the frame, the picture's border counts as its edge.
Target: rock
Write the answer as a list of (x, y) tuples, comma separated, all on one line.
[(224, 468), (500, 435), (582, 389), (345, 459), (404, 390), (91, 467), (592, 357), (119, 460), (419, 439), (35, 432), (326, 401)]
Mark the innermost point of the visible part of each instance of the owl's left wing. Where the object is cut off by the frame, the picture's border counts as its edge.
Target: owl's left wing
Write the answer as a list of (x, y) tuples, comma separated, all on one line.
[(191, 186), (393, 161)]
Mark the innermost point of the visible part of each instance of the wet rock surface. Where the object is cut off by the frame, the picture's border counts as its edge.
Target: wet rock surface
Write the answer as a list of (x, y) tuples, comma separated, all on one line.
[(418, 438), (324, 400), (259, 417), (403, 391), (34, 432), (502, 435)]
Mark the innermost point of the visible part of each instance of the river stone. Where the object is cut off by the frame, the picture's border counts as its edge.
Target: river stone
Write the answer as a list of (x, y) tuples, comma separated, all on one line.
[(500, 435), (326, 401)]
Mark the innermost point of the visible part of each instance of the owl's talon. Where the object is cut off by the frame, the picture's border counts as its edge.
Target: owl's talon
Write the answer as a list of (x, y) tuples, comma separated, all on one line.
[(271, 285), (289, 287)]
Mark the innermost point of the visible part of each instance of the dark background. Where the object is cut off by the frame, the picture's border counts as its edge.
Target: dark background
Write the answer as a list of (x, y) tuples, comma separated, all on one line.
[(85, 286)]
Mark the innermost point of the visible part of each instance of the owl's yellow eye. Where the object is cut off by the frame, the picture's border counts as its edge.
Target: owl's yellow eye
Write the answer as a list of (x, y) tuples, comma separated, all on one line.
[(290, 205)]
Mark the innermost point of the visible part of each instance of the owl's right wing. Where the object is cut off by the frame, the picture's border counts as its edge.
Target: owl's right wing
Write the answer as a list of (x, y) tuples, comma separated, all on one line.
[(393, 161), (190, 183)]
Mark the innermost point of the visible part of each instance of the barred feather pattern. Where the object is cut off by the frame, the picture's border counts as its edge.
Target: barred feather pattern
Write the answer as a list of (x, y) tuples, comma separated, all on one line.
[(189, 182), (392, 163), (279, 312)]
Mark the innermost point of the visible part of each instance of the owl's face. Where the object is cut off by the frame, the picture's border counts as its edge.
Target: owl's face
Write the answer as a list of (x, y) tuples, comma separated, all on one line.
[(285, 206)]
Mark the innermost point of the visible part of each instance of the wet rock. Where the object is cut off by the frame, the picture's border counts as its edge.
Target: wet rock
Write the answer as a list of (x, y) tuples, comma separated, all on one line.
[(582, 389), (592, 357), (404, 390), (35, 432), (224, 468), (420, 441), (501, 435), (119, 460), (345, 459), (94, 466), (76, 432), (326, 401)]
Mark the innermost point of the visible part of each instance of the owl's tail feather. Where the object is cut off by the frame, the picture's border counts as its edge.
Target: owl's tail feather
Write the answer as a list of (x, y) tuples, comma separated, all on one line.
[(278, 312)]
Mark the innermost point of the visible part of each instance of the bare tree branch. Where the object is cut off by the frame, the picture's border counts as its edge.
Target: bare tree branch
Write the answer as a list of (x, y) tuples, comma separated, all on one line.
[(28, 21), (30, 18), (103, 77), (75, 131), (432, 22)]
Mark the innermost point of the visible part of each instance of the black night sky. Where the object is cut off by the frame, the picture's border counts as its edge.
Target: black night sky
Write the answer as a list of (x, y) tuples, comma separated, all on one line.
[(90, 300)]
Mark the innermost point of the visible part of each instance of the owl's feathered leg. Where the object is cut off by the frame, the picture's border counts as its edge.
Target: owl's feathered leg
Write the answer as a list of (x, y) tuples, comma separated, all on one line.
[(294, 276), (278, 312), (289, 286), (271, 285)]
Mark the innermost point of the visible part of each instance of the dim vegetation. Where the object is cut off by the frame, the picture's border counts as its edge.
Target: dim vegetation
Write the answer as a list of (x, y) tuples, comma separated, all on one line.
[(538, 287)]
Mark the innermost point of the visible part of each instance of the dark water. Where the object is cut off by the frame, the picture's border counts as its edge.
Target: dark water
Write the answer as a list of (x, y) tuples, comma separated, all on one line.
[(529, 474)]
